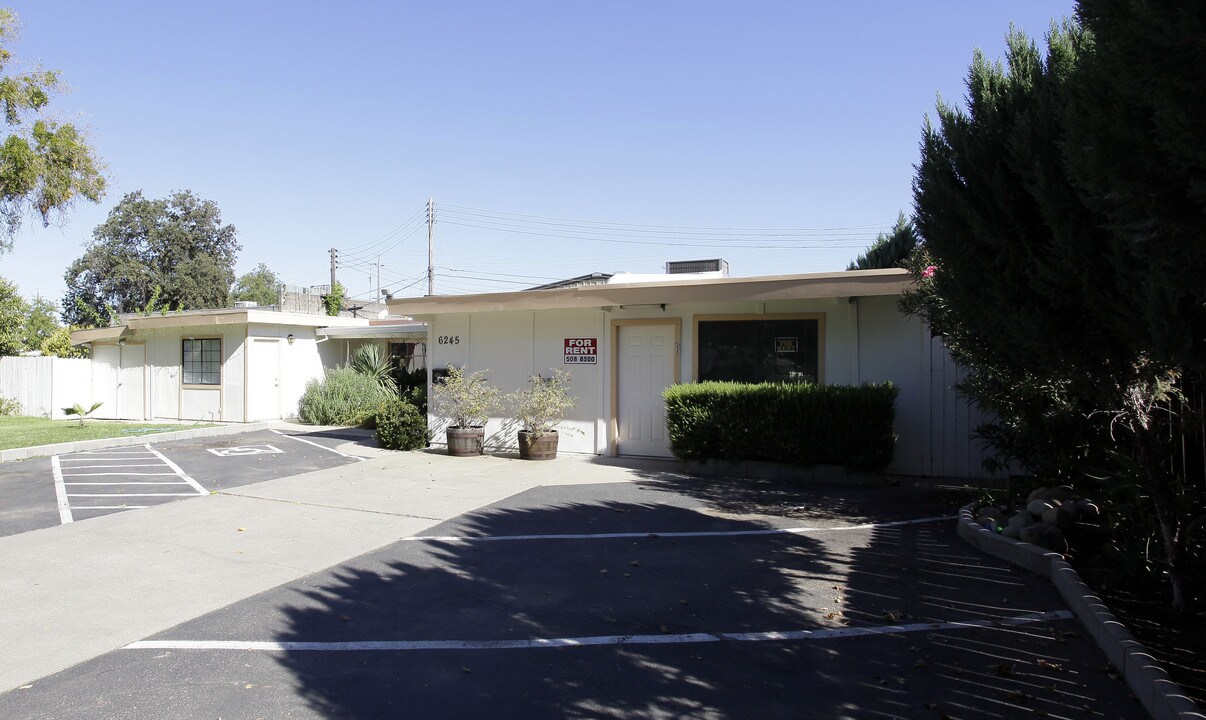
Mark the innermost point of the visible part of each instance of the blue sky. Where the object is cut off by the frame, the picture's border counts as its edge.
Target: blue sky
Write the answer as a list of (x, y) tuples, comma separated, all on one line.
[(557, 138)]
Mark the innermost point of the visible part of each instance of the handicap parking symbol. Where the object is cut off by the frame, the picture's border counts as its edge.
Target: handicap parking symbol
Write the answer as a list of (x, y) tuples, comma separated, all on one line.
[(241, 450)]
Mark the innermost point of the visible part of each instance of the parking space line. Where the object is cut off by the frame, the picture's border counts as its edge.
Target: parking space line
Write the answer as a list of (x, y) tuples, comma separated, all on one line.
[(60, 492), (122, 495), (180, 482), (630, 535), (317, 445), (176, 469), (92, 454), (596, 640), (93, 467), (114, 507), (123, 474)]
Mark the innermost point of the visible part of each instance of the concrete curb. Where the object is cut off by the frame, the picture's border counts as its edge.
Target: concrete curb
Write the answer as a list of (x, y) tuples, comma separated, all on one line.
[(1161, 697), (63, 448)]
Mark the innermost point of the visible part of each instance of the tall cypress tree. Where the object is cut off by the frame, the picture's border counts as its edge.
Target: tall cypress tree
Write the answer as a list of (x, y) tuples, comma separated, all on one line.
[(1074, 299)]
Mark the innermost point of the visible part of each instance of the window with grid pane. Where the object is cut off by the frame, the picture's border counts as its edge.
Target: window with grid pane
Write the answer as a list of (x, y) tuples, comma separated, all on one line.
[(202, 361)]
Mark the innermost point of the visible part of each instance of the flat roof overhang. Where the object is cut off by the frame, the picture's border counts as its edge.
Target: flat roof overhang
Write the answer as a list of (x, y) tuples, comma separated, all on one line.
[(378, 332), (211, 318), (853, 283)]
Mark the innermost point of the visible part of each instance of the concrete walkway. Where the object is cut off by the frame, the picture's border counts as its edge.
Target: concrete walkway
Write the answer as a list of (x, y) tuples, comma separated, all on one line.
[(77, 591)]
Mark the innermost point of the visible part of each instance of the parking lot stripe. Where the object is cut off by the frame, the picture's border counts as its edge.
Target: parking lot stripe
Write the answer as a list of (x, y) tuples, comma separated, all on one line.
[(133, 474), (60, 492), (180, 482), (121, 495), (113, 507), (630, 535), (310, 442), (91, 467), (93, 454), (176, 469), (595, 640)]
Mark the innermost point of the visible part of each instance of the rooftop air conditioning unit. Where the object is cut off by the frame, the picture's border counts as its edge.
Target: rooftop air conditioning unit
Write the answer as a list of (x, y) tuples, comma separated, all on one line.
[(696, 266), (246, 304)]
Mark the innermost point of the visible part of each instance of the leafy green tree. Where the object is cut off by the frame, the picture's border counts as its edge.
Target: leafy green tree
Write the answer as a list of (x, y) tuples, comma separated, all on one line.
[(13, 310), (40, 323), (334, 299), (44, 166), (1035, 287), (177, 245), (258, 286), (1139, 160), (890, 250), (59, 345)]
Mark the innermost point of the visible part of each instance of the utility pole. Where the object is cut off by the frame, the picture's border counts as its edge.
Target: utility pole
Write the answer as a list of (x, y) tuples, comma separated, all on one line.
[(378, 297), (430, 251), (334, 254)]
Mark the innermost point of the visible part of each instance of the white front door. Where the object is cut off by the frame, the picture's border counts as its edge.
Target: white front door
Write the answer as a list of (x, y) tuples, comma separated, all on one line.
[(264, 379), (131, 383), (646, 357)]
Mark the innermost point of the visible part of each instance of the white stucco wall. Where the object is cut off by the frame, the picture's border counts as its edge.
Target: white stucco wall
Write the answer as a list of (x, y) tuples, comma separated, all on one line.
[(865, 340), (513, 346), (301, 361)]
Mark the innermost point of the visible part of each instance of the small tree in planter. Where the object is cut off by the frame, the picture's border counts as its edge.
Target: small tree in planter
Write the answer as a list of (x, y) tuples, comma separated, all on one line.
[(467, 401), (539, 408)]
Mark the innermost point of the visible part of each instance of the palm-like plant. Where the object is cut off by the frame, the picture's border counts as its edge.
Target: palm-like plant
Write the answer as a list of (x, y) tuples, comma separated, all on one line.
[(369, 360), (79, 410)]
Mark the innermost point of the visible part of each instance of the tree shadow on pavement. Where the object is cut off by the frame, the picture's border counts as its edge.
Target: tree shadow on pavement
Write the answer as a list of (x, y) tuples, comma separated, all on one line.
[(646, 585)]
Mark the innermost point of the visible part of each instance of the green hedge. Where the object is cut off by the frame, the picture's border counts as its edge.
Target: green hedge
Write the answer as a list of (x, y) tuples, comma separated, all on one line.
[(782, 422)]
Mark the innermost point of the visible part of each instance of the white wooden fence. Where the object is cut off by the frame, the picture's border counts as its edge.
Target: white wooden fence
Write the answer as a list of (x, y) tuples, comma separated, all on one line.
[(45, 385)]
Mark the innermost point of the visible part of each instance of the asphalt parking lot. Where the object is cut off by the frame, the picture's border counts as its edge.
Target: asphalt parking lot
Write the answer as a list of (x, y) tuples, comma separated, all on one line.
[(48, 491), (656, 597)]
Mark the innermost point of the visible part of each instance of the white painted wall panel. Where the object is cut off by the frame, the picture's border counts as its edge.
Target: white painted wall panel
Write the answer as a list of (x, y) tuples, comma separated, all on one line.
[(234, 381), (891, 348), (45, 385), (71, 383), (201, 404)]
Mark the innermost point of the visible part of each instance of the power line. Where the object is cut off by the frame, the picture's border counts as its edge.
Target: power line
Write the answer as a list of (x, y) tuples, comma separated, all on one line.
[(670, 228), (363, 247)]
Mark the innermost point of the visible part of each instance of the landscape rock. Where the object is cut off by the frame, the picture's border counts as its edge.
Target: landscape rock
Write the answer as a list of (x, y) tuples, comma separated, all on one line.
[(1038, 507)]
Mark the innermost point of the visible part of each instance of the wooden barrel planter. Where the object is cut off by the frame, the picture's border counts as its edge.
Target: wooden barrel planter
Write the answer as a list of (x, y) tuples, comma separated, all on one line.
[(465, 442), (537, 447)]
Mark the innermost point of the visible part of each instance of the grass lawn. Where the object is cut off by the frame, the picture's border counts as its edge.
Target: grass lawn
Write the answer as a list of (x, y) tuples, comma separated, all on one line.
[(16, 432)]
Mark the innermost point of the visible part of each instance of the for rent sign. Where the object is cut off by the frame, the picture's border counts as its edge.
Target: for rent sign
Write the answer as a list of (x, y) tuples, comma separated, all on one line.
[(581, 351)]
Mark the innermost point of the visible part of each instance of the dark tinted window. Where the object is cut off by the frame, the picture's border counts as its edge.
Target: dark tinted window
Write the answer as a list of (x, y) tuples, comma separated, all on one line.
[(759, 350)]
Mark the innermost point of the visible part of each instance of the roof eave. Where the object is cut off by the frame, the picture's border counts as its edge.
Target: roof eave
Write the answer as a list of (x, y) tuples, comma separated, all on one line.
[(760, 289)]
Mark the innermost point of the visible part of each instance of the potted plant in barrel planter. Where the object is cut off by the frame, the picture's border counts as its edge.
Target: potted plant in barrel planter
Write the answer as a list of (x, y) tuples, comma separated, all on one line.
[(466, 400), (539, 408)]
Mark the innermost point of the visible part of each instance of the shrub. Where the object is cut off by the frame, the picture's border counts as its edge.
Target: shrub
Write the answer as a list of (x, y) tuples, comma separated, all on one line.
[(780, 422), (369, 360), (9, 406), (400, 426), (465, 399), (542, 405), (343, 397)]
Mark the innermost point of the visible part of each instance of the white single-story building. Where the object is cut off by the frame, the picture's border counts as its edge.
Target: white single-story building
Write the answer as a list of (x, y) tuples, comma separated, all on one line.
[(238, 365), (628, 339)]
